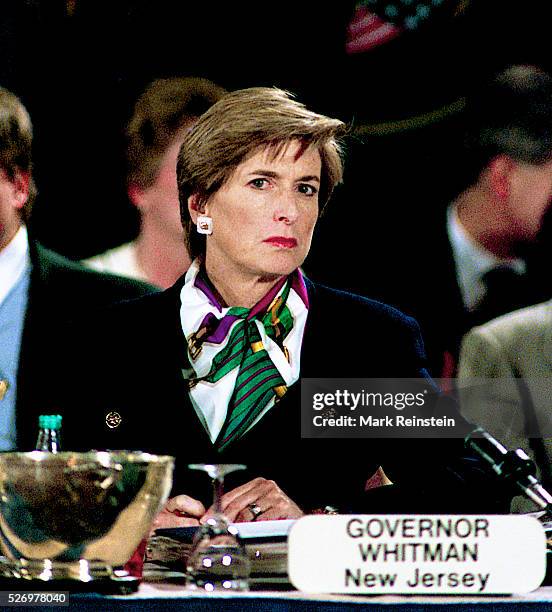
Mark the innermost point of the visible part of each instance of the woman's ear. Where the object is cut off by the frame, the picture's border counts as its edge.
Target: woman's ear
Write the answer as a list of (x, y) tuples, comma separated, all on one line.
[(199, 213), (196, 206)]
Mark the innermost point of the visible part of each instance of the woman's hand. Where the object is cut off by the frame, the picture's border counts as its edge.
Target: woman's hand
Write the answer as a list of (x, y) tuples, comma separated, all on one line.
[(179, 511), (264, 496)]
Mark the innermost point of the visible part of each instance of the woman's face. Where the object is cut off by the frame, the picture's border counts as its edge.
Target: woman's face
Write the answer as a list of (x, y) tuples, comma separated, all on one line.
[(264, 215)]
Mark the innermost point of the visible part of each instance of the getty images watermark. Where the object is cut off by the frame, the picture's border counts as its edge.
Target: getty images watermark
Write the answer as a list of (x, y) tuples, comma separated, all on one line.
[(378, 408)]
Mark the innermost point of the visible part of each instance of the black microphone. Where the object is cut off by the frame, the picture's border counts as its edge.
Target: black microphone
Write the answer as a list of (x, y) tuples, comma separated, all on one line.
[(510, 466)]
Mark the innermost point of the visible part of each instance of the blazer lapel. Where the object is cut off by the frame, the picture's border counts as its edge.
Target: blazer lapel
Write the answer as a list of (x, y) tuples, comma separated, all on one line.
[(34, 346)]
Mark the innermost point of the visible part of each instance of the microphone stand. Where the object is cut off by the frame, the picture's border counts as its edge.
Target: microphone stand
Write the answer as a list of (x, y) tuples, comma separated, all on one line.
[(511, 466)]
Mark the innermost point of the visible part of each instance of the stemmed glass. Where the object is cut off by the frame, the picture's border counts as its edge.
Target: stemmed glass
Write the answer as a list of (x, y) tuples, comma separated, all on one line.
[(217, 560)]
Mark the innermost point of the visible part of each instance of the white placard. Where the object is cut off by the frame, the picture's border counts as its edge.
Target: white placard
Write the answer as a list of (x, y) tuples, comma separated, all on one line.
[(430, 554)]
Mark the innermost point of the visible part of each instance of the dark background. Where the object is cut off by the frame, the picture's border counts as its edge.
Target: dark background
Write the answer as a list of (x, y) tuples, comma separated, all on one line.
[(79, 65)]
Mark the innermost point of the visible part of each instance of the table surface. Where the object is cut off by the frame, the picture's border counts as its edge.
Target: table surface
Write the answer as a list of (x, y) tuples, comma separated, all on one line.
[(164, 596)]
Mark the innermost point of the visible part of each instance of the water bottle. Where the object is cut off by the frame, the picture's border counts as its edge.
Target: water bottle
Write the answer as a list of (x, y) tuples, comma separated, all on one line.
[(49, 438)]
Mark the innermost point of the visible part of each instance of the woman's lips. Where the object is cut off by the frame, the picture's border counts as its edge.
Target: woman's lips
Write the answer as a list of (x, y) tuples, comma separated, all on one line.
[(281, 241)]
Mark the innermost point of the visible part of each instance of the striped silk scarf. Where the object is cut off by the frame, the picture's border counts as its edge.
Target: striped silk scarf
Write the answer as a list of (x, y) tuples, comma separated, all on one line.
[(258, 380)]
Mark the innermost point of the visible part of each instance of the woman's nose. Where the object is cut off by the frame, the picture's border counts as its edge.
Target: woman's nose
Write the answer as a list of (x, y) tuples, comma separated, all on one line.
[(287, 209)]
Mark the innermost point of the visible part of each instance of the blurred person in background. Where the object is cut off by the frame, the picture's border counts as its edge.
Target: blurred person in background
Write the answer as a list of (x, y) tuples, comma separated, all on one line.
[(162, 115), (495, 222), (480, 257), (39, 289)]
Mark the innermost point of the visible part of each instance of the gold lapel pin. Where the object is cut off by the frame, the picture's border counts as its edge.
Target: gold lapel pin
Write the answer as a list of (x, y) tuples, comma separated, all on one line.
[(113, 419)]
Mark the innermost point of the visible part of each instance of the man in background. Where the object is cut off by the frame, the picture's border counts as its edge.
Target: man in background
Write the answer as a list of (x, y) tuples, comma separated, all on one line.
[(39, 289), (493, 224), (477, 258), (162, 115)]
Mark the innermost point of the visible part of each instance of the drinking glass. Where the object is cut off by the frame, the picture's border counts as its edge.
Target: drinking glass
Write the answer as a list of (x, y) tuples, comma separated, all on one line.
[(217, 560)]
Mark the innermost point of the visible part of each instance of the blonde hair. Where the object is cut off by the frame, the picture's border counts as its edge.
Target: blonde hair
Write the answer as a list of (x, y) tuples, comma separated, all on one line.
[(238, 125)]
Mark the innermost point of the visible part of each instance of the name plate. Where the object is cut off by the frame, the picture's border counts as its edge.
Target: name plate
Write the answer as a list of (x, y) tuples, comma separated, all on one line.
[(417, 554)]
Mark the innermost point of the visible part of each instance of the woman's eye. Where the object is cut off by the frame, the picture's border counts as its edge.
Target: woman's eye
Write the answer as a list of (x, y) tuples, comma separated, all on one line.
[(307, 189), (259, 183)]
